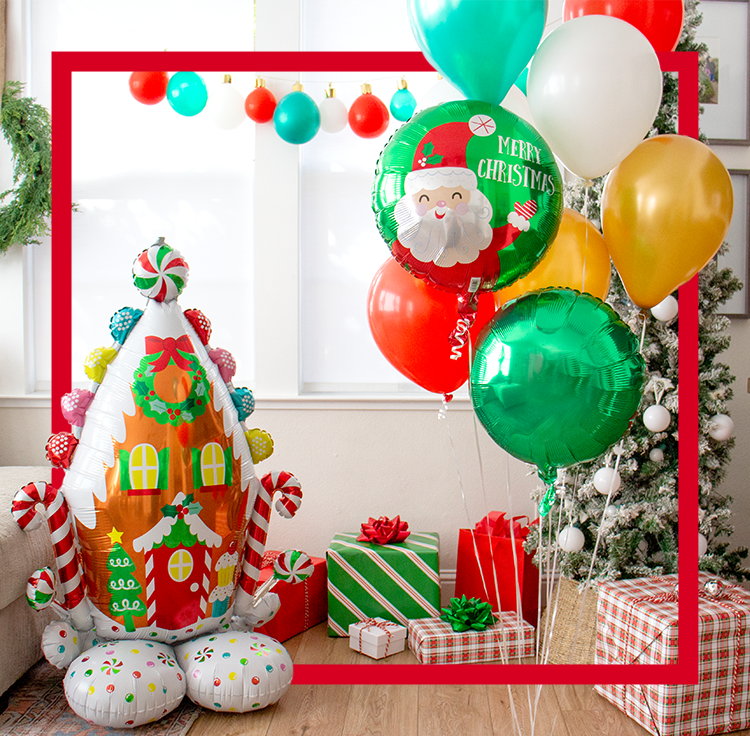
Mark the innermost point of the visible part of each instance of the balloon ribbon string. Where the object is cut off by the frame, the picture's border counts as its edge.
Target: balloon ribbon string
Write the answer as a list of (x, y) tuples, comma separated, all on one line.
[(467, 313), (548, 500), (586, 189)]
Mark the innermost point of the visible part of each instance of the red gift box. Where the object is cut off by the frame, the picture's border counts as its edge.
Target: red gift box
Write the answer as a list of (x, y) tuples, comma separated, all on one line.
[(302, 605), (489, 559)]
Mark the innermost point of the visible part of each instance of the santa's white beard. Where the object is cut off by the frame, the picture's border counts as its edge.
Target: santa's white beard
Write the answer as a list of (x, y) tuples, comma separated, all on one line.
[(446, 242)]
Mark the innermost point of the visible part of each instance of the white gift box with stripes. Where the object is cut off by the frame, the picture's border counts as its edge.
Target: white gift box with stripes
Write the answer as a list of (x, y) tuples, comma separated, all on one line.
[(397, 582), (377, 638)]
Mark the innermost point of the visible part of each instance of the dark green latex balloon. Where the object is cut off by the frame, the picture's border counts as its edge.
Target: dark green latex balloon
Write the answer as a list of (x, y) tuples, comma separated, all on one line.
[(556, 378)]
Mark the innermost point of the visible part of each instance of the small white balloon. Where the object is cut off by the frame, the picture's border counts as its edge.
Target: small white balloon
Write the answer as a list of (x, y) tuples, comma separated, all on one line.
[(656, 455), (333, 114), (226, 107), (702, 545), (606, 478), (657, 418), (571, 539), (721, 427), (666, 309)]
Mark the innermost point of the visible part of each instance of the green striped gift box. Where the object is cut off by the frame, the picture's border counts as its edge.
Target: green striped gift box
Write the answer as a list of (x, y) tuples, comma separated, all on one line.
[(397, 582)]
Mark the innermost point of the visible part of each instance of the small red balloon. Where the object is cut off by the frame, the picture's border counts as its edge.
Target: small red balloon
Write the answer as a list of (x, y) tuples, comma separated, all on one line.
[(412, 322), (149, 87), (260, 105), (368, 116), (660, 21)]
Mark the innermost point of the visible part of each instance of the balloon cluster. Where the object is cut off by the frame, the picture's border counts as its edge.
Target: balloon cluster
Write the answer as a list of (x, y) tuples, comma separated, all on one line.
[(467, 196), (296, 117)]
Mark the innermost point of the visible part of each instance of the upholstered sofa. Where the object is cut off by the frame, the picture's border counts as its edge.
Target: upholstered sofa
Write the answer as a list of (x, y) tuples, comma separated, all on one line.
[(20, 554)]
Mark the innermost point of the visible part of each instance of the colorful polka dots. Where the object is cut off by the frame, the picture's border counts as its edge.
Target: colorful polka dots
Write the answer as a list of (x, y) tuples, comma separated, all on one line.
[(129, 698), (232, 675), (110, 688), (151, 687)]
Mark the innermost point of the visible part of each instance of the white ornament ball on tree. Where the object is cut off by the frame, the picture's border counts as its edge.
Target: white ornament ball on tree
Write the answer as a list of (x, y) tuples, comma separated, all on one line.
[(665, 310), (657, 418), (606, 478), (721, 427), (611, 511), (656, 455), (571, 539), (702, 545)]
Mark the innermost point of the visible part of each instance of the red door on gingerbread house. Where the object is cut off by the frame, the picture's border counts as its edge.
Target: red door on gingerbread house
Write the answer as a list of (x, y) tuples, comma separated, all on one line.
[(178, 564)]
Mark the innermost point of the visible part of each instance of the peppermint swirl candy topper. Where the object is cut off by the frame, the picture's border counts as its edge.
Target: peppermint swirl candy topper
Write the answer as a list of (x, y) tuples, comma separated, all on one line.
[(293, 567), (160, 272)]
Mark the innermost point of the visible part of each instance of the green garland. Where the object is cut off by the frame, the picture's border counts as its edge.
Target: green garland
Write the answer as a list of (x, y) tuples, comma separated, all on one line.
[(26, 127)]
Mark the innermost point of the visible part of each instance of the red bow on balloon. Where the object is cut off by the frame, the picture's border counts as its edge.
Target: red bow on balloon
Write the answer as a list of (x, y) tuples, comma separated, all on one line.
[(384, 530), (168, 348)]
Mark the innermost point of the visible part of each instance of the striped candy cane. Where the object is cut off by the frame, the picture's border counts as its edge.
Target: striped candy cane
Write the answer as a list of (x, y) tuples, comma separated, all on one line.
[(24, 509), (287, 505)]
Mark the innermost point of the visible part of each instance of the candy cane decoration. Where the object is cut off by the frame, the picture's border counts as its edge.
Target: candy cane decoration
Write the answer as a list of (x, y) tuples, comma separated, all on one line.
[(26, 514), (287, 505)]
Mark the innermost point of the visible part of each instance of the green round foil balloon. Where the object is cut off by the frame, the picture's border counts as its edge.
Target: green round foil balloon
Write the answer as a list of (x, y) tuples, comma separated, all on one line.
[(557, 377), (467, 196)]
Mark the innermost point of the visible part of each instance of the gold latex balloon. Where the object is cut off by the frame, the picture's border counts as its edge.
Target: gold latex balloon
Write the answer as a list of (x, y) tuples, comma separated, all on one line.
[(666, 209), (577, 259)]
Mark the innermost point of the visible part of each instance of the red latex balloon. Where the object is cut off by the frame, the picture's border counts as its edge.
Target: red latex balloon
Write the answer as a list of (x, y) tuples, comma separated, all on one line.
[(411, 323), (368, 116), (149, 87), (660, 21), (260, 105)]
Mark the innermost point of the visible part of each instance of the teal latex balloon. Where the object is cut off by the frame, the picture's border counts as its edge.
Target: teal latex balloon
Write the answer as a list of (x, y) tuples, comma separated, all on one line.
[(467, 196), (296, 118), (479, 46), (522, 80), (556, 379), (187, 93), (403, 104)]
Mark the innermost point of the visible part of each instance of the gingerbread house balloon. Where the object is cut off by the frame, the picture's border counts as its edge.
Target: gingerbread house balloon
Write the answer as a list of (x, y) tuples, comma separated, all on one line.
[(160, 525)]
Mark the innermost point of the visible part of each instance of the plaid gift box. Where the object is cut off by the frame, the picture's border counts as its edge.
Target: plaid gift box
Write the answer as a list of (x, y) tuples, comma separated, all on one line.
[(637, 624), (433, 641), (377, 638), (396, 582)]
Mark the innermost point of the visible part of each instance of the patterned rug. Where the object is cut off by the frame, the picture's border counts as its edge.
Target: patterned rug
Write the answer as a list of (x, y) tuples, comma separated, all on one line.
[(37, 707)]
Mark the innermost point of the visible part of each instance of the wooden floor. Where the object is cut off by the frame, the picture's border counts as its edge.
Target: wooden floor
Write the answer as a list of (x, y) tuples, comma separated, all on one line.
[(416, 710)]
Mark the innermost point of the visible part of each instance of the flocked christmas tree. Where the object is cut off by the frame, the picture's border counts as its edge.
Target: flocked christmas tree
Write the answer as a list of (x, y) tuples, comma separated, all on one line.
[(640, 523)]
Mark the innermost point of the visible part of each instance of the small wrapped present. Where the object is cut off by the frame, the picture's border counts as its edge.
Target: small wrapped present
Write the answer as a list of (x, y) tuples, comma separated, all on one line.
[(377, 638), (638, 624), (434, 641), (489, 559), (396, 581), (302, 605)]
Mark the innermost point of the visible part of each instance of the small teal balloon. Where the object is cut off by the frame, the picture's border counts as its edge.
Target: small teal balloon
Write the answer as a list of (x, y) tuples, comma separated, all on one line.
[(296, 118), (403, 104), (479, 46), (522, 80), (187, 93)]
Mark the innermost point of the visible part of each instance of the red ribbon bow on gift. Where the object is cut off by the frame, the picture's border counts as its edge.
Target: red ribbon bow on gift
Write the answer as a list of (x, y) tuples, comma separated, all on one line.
[(168, 348), (384, 530), (496, 525), (368, 622)]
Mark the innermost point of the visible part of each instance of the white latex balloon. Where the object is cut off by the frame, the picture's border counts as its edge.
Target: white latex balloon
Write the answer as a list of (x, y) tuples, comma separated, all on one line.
[(721, 427), (702, 545), (516, 102), (571, 539), (226, 107), (656, 455), (333, 115), (657, 418), (604, 478), (666, 309), (594, 89)]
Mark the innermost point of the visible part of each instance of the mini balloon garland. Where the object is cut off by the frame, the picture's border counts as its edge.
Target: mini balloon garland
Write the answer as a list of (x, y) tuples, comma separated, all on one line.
[(296, 117)]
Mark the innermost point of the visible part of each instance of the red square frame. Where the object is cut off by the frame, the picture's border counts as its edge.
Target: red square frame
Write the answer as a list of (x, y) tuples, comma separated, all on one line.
[(685, 64)]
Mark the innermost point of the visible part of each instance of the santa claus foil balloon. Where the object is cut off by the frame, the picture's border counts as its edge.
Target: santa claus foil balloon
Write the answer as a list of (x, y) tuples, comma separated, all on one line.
[(160, 525), (468, 196)]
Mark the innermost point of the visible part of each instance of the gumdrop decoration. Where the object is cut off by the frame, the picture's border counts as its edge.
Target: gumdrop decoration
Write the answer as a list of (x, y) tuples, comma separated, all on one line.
[(261, 444), (60, 448), (97, 363), (74, 405), (200, 323), (225, 363), (122, 322)]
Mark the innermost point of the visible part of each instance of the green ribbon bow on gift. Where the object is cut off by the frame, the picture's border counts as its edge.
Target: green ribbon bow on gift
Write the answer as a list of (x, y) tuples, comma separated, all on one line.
[(468, 613)]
